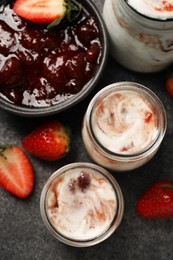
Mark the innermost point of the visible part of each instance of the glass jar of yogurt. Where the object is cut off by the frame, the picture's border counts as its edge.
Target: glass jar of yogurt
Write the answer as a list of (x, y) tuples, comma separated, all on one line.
[(124, 126), (81, 204), (140, 33)]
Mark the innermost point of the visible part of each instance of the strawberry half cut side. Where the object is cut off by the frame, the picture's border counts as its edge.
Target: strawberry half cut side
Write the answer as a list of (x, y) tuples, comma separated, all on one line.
[(16, 171), (40, 11)]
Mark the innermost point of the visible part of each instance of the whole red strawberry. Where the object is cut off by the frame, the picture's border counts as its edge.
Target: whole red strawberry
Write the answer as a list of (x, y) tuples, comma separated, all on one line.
[(16, 172), (50, 141), (157, 202)]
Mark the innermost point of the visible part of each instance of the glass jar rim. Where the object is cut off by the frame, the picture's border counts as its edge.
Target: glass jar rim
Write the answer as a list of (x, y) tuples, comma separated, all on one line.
[(114, 223), (123, 86), (156, 21)]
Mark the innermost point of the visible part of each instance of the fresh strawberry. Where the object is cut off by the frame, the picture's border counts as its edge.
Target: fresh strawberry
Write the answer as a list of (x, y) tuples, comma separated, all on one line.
[(50, 141), (169, 84), (16, 172), (40, 11), (157, 202)]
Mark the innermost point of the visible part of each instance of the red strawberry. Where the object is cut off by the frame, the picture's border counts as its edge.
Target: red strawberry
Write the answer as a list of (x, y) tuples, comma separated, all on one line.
[(16, 172), (169, 85), (157, 202), (50, 141), (40, 11)]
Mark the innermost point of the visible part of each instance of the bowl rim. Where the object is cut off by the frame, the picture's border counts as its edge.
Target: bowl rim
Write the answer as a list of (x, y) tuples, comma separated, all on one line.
[(89, 7)]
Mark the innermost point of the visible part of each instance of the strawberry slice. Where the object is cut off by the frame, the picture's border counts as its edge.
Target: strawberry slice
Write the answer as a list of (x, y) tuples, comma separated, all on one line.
[(16, 172), (40, 11)]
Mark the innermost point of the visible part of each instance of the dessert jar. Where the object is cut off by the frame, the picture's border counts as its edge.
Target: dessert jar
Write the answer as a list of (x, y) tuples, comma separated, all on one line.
[(140, 41), (124, 126), (81, 204)]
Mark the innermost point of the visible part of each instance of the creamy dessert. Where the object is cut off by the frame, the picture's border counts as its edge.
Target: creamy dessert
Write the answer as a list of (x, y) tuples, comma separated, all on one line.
[(82, 202), (123, 126), (159, 9), (125, 122), (140, 33)]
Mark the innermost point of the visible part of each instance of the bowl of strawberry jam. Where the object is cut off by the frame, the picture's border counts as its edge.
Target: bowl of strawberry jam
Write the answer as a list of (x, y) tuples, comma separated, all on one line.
[(44, 70)]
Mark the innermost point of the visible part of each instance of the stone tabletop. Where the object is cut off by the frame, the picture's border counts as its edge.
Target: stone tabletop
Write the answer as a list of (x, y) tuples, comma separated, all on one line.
[(23, 235)]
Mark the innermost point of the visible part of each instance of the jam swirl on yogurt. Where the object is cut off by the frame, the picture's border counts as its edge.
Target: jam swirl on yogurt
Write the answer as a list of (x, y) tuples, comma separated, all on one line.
[(81, 204), (125, 123), (41, 68), (159, 9), (124, 126)]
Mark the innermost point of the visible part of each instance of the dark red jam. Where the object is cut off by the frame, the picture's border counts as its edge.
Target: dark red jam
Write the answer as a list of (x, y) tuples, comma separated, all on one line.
[(41, 68)]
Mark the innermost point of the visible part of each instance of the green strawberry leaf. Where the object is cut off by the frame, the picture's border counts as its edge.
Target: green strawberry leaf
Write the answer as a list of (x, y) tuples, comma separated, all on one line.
[(54, 23), (167, 185), (71, 12)]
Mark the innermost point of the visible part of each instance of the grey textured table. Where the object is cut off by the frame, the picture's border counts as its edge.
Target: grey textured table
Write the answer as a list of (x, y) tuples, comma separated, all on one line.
[(23, 235)]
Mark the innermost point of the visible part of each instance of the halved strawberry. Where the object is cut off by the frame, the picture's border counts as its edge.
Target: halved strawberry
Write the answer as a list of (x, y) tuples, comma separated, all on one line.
[(40, 11), (16, 171)]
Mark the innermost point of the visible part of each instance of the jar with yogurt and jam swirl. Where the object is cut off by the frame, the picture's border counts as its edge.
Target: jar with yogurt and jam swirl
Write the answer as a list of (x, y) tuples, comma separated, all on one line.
[(124, 126), (141, 33), (81, 204)]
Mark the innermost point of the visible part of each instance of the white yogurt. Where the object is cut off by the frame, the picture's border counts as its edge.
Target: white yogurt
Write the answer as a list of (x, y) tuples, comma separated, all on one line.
[(125, 122), (123, 126), (81, 213), (138, 42), (81, 204), (158, 9)]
